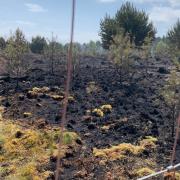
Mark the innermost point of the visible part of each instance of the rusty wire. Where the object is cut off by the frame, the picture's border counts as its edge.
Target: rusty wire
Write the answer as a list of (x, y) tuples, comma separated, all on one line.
[(67, 88)]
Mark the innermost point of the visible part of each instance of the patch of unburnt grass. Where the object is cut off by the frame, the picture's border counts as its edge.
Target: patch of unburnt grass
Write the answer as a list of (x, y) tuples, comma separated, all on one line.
[(25, 152)]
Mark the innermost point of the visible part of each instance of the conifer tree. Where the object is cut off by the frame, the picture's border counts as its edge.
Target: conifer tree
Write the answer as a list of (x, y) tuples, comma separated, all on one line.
[(15, 51)]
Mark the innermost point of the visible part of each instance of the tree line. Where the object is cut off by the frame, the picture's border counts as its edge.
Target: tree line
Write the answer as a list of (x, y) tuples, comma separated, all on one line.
[(126, 35), (39, 45)]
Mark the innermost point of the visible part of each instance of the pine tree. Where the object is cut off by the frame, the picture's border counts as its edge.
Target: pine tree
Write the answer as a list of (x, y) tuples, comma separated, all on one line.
[(146, 51), (120, 52), (132, 21), (171, 94), (2, 43), (174, 36), (52, 53), (15, 50), (38, 44), (108, 30)]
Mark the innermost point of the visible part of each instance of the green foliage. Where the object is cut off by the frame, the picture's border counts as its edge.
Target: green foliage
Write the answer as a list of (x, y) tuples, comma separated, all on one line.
[(146, 47), (120, 52), (171, 96), (76, 48), (171, 90), (108, 30), (173, 39), (92, 48), (174, 36), (135, 22), (52, 53), (2, 43), (15, 50), (161, 49), (132, 21), (38, 44), (76, 57), (67, 139)]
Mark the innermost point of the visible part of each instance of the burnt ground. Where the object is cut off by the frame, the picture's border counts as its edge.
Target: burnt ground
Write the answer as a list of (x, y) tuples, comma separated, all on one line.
[(138, 111)]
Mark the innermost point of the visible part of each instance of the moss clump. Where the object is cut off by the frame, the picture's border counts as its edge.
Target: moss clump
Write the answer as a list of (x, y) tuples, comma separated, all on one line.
[(107, 108), (143, 172), (118, 152), (92, 87), (35, 92), (125, 150), (105, 128), (99, 153), (32, 94), (69, 137), (57, 97), (149, 142), (71, 99), (98, 112), (27, 151), (27, 114), (41, 90), (151, 138)]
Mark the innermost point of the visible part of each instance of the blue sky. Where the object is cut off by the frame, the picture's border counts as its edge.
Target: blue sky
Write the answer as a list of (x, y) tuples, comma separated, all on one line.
[(42, 17)]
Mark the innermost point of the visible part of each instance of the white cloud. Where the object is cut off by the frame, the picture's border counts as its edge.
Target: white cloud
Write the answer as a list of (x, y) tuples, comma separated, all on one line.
[(163, 18), (107, 1), (35, 7), (164, 14)]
